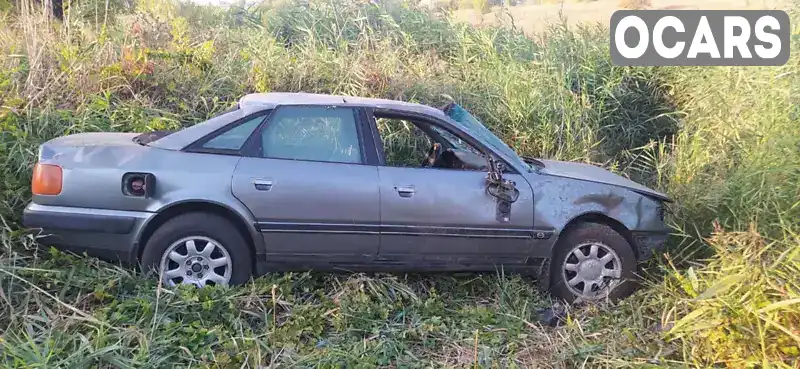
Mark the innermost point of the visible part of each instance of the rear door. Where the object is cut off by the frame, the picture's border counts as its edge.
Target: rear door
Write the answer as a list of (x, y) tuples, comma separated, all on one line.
[(309, 184), (440, 217)]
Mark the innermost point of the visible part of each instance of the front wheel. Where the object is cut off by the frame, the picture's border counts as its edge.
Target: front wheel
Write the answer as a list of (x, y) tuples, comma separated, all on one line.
[(199, 249), (592, 262)]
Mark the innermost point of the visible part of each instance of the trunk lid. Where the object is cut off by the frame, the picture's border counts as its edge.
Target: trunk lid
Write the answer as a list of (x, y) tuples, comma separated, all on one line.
[(94, 139), (100, 149)]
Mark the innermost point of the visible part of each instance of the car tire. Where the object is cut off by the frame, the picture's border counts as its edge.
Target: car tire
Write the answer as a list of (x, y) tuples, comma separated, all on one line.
[(606, 254), (229, 251)]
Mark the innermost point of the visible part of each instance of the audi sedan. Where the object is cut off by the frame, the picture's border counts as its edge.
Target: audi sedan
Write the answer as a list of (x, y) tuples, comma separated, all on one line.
[(295, 181)]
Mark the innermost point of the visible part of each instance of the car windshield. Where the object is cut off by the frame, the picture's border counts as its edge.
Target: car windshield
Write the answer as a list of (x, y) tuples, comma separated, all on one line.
[(472, 125)]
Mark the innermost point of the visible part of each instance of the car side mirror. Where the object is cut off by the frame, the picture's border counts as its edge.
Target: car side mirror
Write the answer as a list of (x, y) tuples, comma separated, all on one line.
[(504, 191), (507, 192)]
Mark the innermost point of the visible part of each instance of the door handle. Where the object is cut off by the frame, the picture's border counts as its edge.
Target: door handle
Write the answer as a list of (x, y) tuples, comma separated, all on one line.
[(262, 184), (405, 191)]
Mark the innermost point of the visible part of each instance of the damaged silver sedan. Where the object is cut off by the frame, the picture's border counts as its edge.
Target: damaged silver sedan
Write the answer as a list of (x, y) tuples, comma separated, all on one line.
[(293, 181)]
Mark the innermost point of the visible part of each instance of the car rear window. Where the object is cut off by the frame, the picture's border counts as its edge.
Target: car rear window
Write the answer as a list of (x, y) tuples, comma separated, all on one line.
[(148, 137), (234, 138)]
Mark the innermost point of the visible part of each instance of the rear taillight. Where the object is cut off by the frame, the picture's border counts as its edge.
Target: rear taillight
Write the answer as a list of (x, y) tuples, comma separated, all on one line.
[(47, 179)]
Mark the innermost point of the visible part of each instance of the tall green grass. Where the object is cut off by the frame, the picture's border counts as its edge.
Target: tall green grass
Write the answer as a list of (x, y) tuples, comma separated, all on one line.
[(724, 142)]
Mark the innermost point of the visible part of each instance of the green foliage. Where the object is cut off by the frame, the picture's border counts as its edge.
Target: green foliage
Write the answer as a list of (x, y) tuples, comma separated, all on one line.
[(722, 141), (96, 11)]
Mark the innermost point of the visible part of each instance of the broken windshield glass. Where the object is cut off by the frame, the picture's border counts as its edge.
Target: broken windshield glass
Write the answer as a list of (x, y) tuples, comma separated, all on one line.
[(473, 126)]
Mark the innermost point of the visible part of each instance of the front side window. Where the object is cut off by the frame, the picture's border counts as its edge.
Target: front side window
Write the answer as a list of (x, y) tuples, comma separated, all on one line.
[(234, 138), (455, 141), (315, 133), (404, 144)]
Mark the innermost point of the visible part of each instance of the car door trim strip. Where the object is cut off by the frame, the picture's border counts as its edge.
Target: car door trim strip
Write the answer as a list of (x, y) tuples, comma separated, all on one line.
[(284, 227), (403, 230)]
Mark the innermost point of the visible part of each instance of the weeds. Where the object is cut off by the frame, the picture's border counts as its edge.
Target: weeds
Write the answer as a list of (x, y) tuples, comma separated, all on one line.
[(722, 141)]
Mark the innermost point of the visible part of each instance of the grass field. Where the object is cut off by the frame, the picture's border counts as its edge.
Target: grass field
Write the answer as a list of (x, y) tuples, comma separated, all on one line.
[(533, 16), (724, 142)]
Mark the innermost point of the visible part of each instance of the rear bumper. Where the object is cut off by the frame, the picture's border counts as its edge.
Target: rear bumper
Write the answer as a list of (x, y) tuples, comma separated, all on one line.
[(650, 243), (107, 234)]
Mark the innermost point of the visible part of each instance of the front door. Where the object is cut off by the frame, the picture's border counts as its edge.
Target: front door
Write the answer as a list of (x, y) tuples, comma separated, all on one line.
[(443, 217), (310, 189)]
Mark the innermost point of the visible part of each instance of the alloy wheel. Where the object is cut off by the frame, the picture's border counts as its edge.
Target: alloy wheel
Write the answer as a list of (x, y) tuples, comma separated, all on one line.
[(592, 270), (196, 260)]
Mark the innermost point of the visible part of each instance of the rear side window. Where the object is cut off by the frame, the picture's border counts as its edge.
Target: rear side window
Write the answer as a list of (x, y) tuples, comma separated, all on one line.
[(314, 133), (235, 137)]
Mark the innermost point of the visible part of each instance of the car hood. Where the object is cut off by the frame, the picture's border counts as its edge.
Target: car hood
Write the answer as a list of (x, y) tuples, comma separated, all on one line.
[(593, 173)]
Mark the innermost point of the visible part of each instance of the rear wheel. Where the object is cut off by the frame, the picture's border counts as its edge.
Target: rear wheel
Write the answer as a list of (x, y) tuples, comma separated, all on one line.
[(592, 262), (199, 249)]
